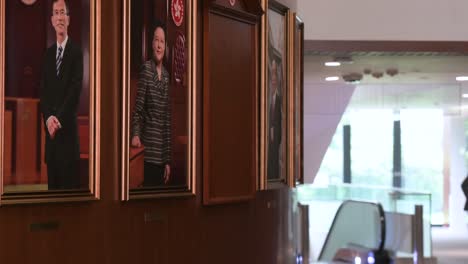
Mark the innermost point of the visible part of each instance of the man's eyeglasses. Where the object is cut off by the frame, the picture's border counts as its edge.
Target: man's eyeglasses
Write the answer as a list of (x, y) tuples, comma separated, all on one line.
[(59, 13)]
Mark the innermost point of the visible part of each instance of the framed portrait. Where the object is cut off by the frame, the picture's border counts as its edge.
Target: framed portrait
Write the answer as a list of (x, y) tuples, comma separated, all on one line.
[(49, 101), (276, 97), (158, 117), (298, 94)]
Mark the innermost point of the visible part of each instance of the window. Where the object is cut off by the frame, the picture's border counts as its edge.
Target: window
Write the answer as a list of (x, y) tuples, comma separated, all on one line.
[(422, 155)]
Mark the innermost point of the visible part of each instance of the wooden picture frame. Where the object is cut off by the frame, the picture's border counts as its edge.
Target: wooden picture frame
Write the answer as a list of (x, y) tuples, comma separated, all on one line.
[(24, 175), (179, 19), (298, 95), (276, 164)]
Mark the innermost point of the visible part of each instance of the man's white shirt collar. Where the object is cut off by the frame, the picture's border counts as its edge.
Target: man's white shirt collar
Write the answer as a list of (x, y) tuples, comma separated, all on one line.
[(63, 45)]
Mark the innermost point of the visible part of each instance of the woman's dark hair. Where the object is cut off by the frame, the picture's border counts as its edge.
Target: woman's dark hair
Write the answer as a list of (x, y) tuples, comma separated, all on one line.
[(159, 24)]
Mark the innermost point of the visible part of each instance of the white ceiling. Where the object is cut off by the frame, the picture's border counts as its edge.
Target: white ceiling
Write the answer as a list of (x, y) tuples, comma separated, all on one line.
[(422, 81), (412, 69)]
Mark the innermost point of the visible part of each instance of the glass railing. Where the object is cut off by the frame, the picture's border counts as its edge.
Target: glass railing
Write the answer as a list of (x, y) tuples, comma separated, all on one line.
[(356, 225), (324, 201), (404, 202)]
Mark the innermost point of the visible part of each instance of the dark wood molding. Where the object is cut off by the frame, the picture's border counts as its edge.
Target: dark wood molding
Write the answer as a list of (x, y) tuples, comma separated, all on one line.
[(300, 28), (385, 46), (237, 14), (278, 7), (254, 7)]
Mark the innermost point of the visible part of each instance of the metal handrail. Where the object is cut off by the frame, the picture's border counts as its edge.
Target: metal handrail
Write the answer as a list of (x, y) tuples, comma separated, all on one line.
[(337, 215)]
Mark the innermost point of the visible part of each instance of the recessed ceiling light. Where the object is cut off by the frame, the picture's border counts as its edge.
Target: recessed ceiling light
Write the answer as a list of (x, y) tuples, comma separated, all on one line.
[(465, 95), (461, 78), (332, 78), (332, 63)]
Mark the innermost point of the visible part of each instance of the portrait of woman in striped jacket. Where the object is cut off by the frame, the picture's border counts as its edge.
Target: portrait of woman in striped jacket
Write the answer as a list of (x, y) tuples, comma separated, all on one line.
[(151, 117)]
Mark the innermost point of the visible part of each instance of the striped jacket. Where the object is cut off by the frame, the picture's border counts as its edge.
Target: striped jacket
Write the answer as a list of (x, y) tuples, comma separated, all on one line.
[(151, 119)]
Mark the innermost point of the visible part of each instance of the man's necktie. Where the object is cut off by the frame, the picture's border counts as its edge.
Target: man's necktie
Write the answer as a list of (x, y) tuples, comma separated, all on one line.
[(59, 59)]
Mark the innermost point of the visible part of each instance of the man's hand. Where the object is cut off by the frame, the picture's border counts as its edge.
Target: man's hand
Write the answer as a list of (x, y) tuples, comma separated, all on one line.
[(136, 143), (167, 173), (53, 125)]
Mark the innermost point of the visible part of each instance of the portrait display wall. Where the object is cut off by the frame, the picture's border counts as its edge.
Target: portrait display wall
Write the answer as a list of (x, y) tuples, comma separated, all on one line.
[(158, 121), (49, 101)]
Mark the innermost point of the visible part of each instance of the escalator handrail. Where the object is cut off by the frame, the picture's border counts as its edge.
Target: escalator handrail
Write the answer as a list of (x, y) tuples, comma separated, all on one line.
[(382, 224)]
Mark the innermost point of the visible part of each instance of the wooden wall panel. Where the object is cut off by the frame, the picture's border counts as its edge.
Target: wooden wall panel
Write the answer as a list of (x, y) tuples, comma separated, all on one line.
[(176, 230), (230, 105)]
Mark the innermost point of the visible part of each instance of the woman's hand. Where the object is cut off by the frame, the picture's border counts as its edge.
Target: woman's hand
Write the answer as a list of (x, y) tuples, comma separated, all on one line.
[(136, 143), (167, 173)]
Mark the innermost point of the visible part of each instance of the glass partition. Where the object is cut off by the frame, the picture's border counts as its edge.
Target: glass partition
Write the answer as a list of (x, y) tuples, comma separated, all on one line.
[(356, 225), (405, 202), (327, 199)]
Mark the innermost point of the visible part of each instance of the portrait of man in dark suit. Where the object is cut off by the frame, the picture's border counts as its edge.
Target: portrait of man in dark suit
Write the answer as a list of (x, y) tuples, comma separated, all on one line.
[(60, 89), (275, 117), (276, 125)]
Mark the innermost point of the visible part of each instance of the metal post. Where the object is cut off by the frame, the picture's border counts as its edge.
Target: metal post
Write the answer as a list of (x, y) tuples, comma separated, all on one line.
[(304, 235), (418, 235)]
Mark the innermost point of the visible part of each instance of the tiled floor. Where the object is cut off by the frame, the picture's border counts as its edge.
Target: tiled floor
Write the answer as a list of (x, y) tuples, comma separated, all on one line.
[(450, 246)]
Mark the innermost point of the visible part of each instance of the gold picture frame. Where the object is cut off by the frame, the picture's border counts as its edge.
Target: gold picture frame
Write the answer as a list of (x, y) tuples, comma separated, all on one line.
[(132, 159), (19, 192), (276, 165), (298, 99)]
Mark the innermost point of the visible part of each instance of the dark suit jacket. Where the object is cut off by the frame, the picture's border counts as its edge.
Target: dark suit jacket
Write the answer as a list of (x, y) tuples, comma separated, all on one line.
[(275, 122), (60, 96), (464, 187)]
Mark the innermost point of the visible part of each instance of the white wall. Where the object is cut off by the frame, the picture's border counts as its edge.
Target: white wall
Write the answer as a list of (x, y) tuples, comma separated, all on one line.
[(425, 20), (324, 105)]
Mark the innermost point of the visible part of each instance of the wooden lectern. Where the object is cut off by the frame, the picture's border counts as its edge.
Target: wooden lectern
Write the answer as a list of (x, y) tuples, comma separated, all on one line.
[(7, 150), (136, 168), (26, 134)]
